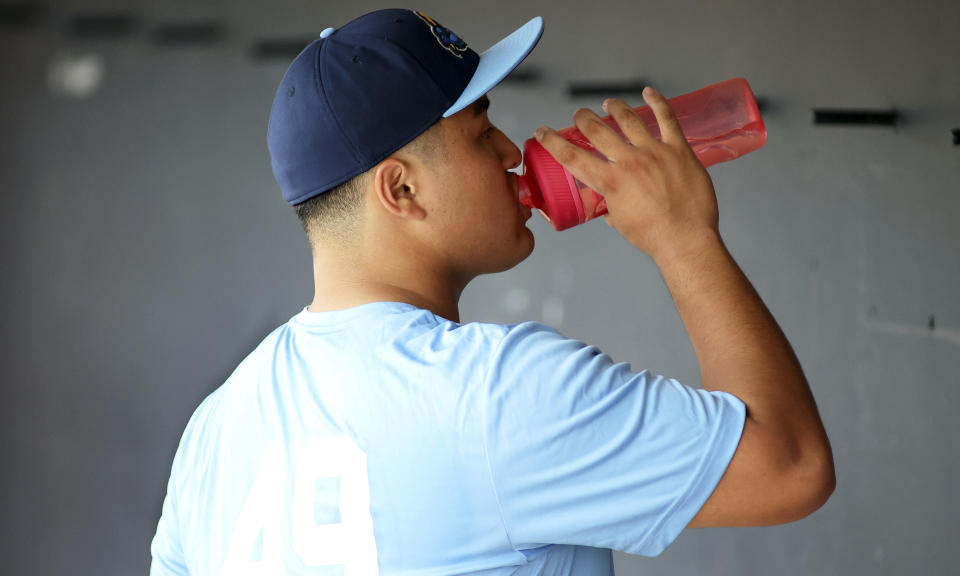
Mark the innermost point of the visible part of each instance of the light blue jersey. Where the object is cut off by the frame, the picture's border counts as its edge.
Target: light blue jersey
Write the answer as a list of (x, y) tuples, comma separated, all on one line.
[(385, 440)]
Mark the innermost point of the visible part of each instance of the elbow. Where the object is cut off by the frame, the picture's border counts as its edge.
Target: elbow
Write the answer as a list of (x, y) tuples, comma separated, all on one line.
[(824, 479), (813, 480)]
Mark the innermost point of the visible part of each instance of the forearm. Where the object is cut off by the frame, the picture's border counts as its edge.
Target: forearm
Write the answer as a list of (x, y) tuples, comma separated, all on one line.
[(739, 346)]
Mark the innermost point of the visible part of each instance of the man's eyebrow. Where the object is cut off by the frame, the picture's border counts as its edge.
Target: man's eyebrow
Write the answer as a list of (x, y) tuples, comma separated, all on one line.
[(481, 105)]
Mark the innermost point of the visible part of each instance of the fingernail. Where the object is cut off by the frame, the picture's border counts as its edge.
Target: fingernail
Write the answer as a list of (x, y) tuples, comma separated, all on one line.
[(539, 134), (605, 103)]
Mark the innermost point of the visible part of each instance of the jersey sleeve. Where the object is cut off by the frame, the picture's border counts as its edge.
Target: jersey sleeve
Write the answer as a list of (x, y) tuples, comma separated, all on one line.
[(585, 451), (168, 555), (165, 550)]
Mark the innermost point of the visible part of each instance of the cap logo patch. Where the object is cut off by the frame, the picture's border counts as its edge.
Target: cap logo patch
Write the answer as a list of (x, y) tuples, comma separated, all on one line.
[(450, 41)]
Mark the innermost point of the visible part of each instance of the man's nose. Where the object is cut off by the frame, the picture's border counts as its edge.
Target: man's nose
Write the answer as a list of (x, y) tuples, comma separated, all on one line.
[(510, 153)]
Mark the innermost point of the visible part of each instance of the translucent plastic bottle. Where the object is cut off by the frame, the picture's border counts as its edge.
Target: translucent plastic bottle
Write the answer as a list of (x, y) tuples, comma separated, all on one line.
[(721, 122)]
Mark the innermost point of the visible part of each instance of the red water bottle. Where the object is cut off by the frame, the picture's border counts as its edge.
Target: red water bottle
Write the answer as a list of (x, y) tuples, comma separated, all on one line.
[(721, 122)]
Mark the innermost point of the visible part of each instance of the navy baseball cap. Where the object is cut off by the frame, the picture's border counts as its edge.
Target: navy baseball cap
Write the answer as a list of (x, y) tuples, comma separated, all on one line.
[(359, 93)]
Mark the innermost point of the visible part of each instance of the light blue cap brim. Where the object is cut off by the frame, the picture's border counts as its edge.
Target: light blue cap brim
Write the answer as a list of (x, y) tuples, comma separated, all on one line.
[(498, 61)]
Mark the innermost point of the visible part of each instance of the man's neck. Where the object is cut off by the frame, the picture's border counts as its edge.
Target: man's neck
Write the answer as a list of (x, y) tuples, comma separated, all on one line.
[(340, 285), (327, 303)]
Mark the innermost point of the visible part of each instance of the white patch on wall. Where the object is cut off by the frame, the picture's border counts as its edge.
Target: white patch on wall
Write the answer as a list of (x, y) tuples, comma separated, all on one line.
[(75, 76), (516, 301), (878, 553), (552, 312)]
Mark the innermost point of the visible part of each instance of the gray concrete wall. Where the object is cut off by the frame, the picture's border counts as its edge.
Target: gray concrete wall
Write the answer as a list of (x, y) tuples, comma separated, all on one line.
[(146, 250)]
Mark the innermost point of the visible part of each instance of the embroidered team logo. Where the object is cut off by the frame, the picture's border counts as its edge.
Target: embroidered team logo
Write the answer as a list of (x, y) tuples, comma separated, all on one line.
[(450, 41)]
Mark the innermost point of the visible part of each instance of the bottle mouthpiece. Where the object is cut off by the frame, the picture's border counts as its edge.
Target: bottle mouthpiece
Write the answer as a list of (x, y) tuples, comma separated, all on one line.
[(525, 191)]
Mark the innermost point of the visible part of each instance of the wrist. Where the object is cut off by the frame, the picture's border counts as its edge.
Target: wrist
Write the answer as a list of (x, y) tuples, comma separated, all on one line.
[(687, 247)]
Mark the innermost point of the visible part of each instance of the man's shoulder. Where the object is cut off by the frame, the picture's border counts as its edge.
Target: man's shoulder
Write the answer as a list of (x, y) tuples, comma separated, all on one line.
[(505, 339)]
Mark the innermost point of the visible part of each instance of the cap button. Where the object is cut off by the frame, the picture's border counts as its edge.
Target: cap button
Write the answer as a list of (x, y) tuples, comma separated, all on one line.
[(327, 32)]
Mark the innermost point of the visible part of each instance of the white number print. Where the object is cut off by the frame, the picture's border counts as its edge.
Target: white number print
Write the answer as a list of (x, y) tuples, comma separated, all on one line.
[(349, 543)]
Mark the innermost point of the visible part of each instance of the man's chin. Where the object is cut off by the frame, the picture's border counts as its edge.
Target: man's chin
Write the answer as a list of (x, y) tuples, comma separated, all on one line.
[(522, 253), (529, 249)]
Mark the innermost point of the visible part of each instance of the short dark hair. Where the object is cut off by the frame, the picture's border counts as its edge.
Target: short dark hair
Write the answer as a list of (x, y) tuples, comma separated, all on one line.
[(332, 210), (336, 211)]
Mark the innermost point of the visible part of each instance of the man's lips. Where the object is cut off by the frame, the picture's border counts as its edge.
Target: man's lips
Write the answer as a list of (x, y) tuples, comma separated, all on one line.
[(525, 211)]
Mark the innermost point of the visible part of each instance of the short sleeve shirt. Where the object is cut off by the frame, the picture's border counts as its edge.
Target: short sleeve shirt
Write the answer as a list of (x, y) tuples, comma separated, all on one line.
[(383, 439)]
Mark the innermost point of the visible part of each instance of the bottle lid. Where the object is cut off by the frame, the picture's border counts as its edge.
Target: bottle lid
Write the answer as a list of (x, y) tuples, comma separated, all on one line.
[(545, 179)]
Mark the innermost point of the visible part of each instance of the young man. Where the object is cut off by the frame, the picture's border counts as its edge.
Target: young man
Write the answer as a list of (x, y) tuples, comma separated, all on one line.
[(375, 434)]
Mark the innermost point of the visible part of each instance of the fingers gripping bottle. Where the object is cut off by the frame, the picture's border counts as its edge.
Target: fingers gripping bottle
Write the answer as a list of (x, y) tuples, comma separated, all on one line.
[(720, 122)]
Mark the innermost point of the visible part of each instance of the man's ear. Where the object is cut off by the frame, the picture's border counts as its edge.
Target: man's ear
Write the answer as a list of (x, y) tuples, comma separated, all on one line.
[(396, 187)]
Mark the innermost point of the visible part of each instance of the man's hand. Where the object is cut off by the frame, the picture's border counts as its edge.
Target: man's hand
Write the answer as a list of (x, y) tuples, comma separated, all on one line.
[(658, 194)]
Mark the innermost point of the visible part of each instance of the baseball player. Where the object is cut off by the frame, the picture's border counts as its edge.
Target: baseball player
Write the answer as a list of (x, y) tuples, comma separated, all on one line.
[(373, 433)]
